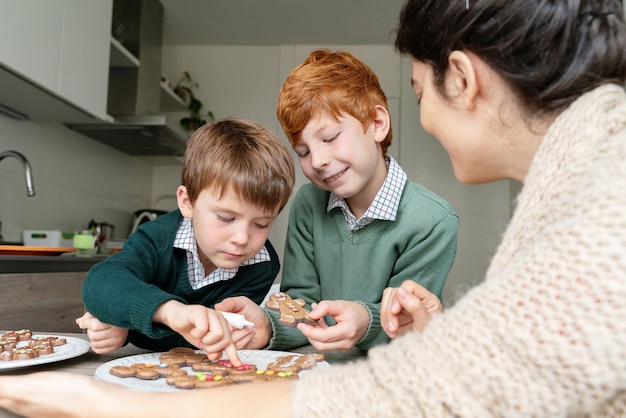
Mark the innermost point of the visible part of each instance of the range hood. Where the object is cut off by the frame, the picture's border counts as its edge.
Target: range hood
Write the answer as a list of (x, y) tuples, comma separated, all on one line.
[(137, 135), (137, 98)]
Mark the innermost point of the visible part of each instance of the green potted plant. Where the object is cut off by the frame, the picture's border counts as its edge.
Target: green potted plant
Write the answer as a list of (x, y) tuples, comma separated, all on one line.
[(184, 89)]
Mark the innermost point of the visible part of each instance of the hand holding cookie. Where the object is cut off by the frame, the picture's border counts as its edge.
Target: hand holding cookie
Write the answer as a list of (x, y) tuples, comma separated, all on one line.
[(351, 322)]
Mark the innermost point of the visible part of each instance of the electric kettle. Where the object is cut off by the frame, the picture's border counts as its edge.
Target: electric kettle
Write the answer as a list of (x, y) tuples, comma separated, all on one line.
[(145, 215)]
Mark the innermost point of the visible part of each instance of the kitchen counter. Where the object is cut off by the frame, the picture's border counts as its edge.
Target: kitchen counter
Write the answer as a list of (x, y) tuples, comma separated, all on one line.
[(47, 264)]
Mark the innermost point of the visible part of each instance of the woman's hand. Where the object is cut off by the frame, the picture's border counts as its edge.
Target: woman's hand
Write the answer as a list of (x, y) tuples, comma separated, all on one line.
[(57, 394), (407, 308)]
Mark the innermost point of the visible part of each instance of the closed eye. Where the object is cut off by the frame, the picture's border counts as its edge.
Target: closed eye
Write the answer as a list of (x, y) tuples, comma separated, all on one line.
[(225, 219), (332, 139)]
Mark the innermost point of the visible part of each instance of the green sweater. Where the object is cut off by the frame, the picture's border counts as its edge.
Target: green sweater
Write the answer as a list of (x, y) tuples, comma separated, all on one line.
[(126, 288), (324, 260)]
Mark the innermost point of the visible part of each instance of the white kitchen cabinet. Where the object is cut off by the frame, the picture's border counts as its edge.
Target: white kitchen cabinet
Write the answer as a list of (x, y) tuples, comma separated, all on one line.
[(61, 46), (31, 33), (84, 71)]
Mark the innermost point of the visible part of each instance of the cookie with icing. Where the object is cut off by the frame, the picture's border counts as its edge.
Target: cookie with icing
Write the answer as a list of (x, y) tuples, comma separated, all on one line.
[(292, 311)]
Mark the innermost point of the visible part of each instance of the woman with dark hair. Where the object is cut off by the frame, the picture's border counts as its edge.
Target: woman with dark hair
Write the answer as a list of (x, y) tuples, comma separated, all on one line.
[(525, 89)]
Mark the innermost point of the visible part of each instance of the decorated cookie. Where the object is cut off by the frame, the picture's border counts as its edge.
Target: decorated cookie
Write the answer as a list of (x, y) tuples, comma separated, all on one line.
[(182, 356), (24, 334), (42, 350), (7, 345), (197, 381), (23, 345), (24, 354), (295, 362), (147, 371), (291, 311), (211, 373)]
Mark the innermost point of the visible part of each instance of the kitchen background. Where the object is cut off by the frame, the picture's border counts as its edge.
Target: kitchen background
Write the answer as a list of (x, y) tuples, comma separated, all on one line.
[(58, 60)]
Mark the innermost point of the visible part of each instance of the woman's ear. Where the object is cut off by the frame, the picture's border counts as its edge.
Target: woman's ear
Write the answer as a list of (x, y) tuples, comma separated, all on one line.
[(462, 80), (381, 123), (184, 202)]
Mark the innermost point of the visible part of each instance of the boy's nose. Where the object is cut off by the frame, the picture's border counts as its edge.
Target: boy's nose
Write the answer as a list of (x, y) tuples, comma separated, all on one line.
[(319, 160), (240, 235)]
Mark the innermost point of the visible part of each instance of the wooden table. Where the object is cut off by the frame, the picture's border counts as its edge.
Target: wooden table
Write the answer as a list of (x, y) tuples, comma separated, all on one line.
[(90, 361)]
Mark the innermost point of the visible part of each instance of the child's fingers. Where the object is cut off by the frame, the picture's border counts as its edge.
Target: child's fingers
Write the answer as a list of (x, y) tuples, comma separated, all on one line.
[(233, 356), (84, 320), (242, 336), (325, 307)]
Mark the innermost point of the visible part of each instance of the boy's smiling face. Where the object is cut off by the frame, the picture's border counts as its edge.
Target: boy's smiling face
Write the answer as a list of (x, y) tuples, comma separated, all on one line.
[(338, 156), (228, 230)]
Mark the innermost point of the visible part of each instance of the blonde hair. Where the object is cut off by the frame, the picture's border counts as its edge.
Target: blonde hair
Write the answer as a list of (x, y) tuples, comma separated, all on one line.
[(241, 154)]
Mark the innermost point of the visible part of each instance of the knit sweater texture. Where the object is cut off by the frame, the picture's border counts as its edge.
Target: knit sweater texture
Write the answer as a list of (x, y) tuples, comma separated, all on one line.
[(126, 288), (325, 260), (545, 334)]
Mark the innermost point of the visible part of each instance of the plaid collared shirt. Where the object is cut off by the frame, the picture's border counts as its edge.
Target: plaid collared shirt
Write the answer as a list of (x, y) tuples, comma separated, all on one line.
[(385, 204), (186, 240)]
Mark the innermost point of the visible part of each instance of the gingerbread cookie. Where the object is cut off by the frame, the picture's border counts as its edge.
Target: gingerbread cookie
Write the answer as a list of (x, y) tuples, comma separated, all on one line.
[(147, 371), (22, 345), (198, 381), (264, 376), (211, 373), (201, 380), (291, 311), (7, 345), (220, 367), (295, 362), (182, 356)]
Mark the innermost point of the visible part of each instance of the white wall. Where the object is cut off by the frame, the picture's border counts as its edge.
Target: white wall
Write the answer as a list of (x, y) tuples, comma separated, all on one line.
[(76, 179), (244, 82)]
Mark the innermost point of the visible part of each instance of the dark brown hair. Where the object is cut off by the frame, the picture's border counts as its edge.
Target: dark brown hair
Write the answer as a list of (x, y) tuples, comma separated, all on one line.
[(549, 51), (243, 155), (329, 82)]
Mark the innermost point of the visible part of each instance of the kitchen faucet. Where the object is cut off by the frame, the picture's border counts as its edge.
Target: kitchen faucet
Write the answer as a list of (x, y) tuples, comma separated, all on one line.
[(30, 188)]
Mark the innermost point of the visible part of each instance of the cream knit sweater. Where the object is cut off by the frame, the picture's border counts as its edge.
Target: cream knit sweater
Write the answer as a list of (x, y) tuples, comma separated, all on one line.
[(545, 334)]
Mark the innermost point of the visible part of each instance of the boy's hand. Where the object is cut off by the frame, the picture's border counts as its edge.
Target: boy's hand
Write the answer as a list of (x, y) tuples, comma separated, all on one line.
[(352, 321), (203, 327), (407, 308), (104, 338), (253, 338)]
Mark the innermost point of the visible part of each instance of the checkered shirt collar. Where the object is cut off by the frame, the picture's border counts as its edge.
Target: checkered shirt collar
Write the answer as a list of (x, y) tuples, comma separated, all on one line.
[(385, 204), (185, 239)]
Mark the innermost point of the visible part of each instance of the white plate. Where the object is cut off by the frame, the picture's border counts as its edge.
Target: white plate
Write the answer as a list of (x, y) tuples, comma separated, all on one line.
[(260, 358), (75, 347)]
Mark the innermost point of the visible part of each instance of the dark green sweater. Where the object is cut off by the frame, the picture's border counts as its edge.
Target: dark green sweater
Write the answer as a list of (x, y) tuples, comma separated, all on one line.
[(126, 288), (325, 260)]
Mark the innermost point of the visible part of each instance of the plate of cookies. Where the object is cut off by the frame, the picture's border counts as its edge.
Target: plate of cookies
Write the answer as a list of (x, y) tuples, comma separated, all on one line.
[(184, 368), (22, 348)]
